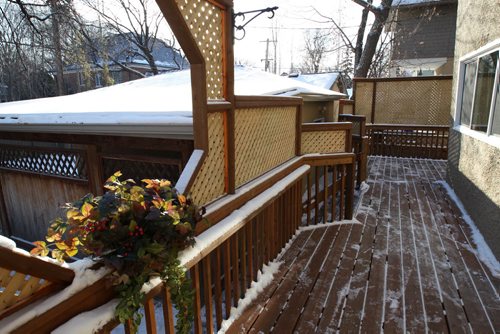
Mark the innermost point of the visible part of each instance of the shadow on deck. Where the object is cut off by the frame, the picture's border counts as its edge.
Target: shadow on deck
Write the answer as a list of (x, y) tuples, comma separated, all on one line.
[(407, 265)]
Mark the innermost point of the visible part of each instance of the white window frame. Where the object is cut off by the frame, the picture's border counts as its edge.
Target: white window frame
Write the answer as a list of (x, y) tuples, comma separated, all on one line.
[(98, 79), (487, 137)]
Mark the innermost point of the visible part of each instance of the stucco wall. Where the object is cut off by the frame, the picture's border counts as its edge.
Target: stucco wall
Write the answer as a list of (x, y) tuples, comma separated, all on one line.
[(474, 165)]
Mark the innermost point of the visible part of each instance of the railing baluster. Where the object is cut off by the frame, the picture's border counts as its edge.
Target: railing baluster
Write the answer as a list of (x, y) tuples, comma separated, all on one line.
[(195, 277), (342, 194), (250, 252), (334, 192), (316, 197), (168, 316), (235, 269), (325, 194), (308, 203), (243, 257), (218, 288), (207, 287), (227, 276)]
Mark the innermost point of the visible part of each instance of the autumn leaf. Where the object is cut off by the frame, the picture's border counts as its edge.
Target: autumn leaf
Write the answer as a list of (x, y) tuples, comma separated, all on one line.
[(182, 199), (40, 249)]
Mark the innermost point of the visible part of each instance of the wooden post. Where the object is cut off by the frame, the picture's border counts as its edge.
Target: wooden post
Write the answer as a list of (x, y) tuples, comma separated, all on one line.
[(374, 101), (94, 170)]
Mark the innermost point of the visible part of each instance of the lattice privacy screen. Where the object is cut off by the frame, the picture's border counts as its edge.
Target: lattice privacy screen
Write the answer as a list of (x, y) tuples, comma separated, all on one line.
[(210, 181), (70, 164), (205, 21), (16, 286), (323, 141), (421, 102), (264, 139), (364, 98)]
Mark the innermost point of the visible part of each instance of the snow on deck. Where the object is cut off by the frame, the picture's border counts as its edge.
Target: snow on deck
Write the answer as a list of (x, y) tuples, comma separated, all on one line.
[(411, 266)]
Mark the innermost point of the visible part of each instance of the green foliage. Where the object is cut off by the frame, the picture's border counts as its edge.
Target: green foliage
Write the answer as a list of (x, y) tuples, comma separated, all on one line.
[(138, 231)]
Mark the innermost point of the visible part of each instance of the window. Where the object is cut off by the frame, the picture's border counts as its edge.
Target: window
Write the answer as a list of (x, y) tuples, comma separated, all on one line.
[(117, 77), (98, 79), (478, 106)]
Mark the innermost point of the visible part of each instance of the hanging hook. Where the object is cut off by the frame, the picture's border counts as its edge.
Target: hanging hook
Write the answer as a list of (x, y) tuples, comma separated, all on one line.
[(241, 27)]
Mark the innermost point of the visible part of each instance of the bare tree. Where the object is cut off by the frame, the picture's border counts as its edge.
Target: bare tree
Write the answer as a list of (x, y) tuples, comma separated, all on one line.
[(316, 46), (136, 22), (365, 48)]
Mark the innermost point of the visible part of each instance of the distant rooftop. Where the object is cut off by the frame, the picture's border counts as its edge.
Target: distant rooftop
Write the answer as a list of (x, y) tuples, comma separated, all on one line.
[(323, 80)]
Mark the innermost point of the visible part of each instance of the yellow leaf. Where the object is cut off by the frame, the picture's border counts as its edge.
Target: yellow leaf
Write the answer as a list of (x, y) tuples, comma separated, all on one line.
[(86, 209), (62, 245), (54, 237), (165, 183), (71, 252), (58, 255)]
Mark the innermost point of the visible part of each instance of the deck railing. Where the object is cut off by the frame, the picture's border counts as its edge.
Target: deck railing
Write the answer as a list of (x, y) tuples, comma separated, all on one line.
[(411, 141), (359, 143), (316, 189)]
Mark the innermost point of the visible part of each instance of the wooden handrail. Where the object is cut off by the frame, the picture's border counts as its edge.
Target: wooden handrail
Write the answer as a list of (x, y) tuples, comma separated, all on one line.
[(259, 101), (437, 77), (35, 267), (189, 173), (331, 126), (407, 126)]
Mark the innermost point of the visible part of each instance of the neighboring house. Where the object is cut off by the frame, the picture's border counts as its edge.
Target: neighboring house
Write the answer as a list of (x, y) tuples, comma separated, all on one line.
[(474, 147), (333, 81), (122, 51), (423, 37)]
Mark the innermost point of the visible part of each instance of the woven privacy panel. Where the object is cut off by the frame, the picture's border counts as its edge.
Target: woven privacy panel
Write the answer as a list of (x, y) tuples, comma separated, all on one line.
[(210, 181), (15, 287), (363, 99), (323, 141), (38, 161), (205, 21), (139, 170), (348, 109), (422, 102), (264, 139)]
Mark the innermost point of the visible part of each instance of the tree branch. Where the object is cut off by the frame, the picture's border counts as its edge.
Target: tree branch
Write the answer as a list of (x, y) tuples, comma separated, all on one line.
[(374, 9)]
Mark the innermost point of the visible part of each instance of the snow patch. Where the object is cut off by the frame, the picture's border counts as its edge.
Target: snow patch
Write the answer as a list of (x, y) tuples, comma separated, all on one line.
[(80, 324), (482, 250), (263, 279), (322, 225), (7, 243)]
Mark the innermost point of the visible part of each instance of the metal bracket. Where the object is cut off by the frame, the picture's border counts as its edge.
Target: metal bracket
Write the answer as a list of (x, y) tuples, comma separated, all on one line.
[(241, 27)]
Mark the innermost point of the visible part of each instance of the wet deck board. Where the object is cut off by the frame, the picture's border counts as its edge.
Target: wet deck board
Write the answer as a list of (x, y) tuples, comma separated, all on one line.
[(407, 266)]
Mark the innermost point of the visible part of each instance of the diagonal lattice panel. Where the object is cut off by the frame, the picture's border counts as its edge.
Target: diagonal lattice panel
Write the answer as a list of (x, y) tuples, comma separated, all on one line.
[(70, 164)]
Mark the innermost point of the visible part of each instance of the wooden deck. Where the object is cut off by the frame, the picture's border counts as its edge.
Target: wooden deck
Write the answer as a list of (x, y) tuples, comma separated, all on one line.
[(407, 266)]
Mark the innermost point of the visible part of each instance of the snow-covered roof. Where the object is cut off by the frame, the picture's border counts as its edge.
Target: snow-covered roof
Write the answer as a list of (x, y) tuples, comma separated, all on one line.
[(154, 106), (324, 80)]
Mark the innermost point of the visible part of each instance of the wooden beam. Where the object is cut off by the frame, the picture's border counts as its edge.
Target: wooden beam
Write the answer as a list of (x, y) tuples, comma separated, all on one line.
[(33, 266)]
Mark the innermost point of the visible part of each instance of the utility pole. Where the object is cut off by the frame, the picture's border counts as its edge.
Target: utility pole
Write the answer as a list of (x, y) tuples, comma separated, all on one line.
[(267, 60)]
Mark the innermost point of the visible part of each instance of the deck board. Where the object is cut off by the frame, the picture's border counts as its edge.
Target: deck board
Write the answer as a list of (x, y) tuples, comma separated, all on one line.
[(408, 265)]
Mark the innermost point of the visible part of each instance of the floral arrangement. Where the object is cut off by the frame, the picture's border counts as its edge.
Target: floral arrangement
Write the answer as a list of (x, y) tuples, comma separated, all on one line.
[(138, 231)]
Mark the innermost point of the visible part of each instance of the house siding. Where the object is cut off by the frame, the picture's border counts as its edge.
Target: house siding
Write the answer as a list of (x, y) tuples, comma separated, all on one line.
[(425, 32), (474, 165)]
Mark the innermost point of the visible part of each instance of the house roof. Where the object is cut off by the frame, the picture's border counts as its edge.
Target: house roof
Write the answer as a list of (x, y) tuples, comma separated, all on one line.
[(323, 80), (120, 48), (155, 106)]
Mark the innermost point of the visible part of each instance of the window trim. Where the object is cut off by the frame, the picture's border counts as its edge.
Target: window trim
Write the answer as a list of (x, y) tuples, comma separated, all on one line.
[(472, 57)]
